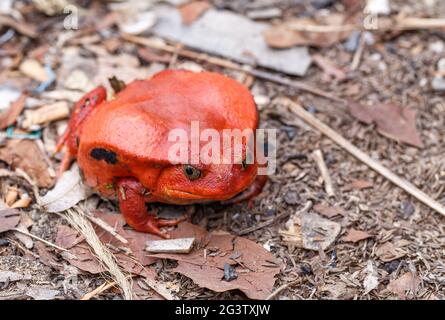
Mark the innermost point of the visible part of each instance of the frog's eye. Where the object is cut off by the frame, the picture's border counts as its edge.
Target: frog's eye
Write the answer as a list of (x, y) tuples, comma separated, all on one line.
[(191, 172)]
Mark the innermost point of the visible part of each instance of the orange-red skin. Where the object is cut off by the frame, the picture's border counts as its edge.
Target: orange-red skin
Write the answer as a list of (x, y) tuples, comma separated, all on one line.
[(135, 126)]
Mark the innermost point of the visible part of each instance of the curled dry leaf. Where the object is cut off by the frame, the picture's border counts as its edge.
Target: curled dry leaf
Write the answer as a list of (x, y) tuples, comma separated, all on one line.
[(17, 154), (256, 267), (137, 23), (289, 34), (9, 219), (68, 191), (9, 116), (408, 282), (371, 281), (392, 121), (355, 236), (193, 10), (310, 231)]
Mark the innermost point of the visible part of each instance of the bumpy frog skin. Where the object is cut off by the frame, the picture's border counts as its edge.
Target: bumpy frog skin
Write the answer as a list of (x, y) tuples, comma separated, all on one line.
[(122, 145)]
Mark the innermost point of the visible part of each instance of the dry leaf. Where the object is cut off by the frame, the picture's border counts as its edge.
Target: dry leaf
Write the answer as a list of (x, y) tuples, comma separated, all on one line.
[(406, 283), (9, 116), (254, 265), (68, 191), (392, 121), (17, 155), (359, 185), (388, 252), (191, 11), (355, 236), (371, 281), (327, 211), (9, 219), (41, 293), (310, 231), (287, 35), (86, 261)]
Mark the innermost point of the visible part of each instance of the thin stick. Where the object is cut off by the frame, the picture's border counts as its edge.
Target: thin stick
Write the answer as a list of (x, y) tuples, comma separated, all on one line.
[(281, 288), (160, 45), (107, 228), (358, 54), (40, 239), (363, 157), (318, 157), (160, 289), (103, 287)]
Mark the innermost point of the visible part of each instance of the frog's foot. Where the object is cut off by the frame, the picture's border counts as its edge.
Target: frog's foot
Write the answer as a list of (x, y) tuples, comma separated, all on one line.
[(131, 196), (70, 137), (250, 193)]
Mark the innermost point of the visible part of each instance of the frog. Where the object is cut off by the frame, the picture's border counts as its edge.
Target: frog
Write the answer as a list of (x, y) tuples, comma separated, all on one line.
[(123, 145)]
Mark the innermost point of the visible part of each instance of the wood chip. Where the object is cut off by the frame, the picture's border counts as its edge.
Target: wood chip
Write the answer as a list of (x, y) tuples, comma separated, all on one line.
[(180, 245)]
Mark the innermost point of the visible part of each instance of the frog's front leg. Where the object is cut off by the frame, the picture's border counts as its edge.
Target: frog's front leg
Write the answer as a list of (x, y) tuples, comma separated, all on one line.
[(70, 137), (131, 195)]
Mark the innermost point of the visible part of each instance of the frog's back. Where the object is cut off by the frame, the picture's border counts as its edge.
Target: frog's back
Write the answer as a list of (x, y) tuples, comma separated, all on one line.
[(135, 125)]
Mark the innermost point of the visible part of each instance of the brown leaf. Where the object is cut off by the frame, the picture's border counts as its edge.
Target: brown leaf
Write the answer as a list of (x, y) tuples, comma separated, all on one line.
[(328, 211), (355, 236), (9, 219), (191, 11), (254, 265), (388, 252), (392, 121), (407, 282), (285, 36), (9, 116), (17, 154), (359, 185), (329, 68)]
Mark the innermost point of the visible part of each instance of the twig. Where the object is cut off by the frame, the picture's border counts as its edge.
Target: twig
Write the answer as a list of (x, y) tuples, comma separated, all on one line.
[(40, 239), (258, 226), (107, 228), (103, 287), (281, 288), (360, 155), (160, 289), (318, 157), (358, 54), (160, 45)]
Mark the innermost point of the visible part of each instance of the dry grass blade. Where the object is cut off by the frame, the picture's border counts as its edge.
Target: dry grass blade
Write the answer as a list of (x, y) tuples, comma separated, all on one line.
[(78, 220)]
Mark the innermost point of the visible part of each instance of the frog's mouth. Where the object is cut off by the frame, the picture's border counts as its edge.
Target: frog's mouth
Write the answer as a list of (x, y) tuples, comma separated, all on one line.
[(189, 197)]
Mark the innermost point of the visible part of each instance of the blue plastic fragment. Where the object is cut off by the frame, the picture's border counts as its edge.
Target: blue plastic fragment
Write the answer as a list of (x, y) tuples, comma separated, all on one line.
[(35, 134), (51, 78)]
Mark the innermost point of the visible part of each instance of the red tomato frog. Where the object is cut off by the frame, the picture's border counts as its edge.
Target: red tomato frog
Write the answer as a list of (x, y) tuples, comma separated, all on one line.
[(122, 145)]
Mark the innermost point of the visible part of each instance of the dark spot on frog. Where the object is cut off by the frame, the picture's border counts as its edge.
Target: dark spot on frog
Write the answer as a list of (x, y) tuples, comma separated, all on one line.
[(77, 141), (104, 154)]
